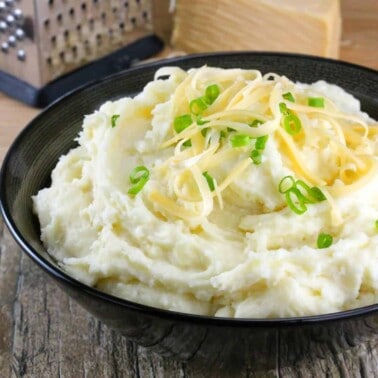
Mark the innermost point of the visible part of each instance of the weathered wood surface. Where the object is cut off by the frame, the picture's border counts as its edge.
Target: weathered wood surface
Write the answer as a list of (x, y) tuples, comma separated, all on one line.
[(43, 333)]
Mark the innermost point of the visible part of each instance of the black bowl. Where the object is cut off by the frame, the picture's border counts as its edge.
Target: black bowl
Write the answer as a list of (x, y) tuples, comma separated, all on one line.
[(35, 152)]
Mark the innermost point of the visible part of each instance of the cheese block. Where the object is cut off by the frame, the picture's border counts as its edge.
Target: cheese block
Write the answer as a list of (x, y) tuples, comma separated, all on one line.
[(307, 27)]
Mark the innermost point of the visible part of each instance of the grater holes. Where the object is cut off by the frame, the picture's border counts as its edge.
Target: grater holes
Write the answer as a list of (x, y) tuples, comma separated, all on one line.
[(66, 33), (74, 51), (59, 18), (49, 61), (126, 4), (145, 15), (50, 2), (62, 56), (115, 9), (83, 7), (46, 23), (53, 40), (121, 25), (72, 12), (133, 20)]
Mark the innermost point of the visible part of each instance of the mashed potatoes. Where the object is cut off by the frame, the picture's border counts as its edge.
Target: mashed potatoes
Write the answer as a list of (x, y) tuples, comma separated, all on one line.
[(221, 192)]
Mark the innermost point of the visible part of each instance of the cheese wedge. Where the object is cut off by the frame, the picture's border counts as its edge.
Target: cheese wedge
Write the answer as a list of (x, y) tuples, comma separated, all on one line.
[(307, 27)]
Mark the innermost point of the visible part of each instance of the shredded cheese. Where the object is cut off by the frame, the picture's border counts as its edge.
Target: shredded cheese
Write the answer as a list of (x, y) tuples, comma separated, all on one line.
[(247, 96)]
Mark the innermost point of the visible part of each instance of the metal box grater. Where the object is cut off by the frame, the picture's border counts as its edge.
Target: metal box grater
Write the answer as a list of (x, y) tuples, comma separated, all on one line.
[(42, 41)]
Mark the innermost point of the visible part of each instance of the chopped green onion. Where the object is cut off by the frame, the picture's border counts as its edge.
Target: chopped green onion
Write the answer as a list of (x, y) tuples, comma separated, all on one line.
[(288, 96), (210, 180), (256, 123), (283, 109), (297, 205), (324, 240), (316, 102), (135, 189), (290, 188), (230, 129), (261, 142), (314, 194), (180, 123), (138, 176), (211, 93), (200, 121), (187, 143), (197, 106), (114, 119), (240, 140), (292, 124), (204, 131), (139, 172), (376, 224), (286, 184), (256, 157), (223, 134), (317, 194)]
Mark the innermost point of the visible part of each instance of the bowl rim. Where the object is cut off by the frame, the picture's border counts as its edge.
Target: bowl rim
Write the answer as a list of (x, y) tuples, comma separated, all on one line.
[(61, 276)]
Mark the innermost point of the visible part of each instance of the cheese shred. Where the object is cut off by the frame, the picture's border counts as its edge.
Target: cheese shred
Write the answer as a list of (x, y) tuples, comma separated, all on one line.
[(249, 105)]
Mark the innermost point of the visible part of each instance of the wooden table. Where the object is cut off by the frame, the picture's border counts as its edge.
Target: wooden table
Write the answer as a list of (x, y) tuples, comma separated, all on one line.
[(43, 333)]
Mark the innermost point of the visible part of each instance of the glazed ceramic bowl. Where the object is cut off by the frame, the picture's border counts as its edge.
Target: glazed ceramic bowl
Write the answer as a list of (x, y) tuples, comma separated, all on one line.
[(35, 152)]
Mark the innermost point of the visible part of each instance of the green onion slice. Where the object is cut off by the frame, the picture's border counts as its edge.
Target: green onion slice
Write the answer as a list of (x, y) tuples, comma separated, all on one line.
[(324, 240), (180, 123), (376, 224), (187, 143), (200, 121), (292, 124), (317, 194), (256, 123), (211, 93), (316, 102), (223, 134), (292, 189), (138, 176), (287, 183), (240, 140), (296, 201), (114, 119), (138, 173), (256, 157), (314, 194), (261, 142), (210, 180), (288, 96), (204, 131), (197, 106), (283, 109)]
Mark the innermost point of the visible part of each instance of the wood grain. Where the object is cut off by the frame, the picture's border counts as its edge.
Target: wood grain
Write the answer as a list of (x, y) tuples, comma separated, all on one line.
[(43, 333)]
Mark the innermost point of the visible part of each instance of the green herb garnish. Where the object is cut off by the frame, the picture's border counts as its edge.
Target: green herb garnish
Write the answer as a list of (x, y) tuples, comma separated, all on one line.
[(180, 123), (210, 180), (138, 176), (316, 102), (114, 119), (324, 240)]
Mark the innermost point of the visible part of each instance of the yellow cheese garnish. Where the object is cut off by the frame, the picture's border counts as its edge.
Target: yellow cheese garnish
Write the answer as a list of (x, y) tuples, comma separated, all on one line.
[(249, 104)]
